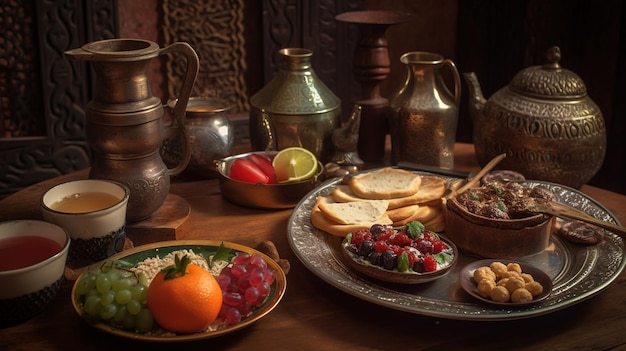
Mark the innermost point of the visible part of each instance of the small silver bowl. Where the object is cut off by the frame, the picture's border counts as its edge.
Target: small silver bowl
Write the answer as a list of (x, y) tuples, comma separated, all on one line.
[(264, 196)]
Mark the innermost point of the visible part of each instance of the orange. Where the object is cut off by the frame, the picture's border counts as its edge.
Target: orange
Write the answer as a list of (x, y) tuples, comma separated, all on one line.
[(184, 298)]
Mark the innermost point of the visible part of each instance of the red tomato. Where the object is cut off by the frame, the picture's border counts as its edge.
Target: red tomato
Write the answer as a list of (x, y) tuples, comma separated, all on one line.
[(265, 165), (245, 171)]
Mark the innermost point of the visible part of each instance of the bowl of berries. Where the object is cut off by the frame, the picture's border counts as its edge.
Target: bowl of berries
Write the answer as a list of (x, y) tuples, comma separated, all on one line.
[(269, 179), (408, 254)]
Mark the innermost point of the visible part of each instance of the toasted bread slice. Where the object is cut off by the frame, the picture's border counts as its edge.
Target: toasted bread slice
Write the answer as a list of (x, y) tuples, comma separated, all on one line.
[(432, 188), (354, 212), (320, 221), (402, 213), (385, 183)]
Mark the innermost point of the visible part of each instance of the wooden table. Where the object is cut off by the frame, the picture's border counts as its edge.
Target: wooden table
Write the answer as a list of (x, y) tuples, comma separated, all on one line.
[(316, 316)]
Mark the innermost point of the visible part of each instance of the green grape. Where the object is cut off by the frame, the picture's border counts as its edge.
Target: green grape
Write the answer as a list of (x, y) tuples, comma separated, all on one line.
[(123, 296), (133, 307), (107, 312), (116, 297), (129, 322), (125, 283), (113, 274), (92, 305), (103, 284), (145, 321), (107, 298), (120, 314), (139, 292), (92, 292), (86, 283)]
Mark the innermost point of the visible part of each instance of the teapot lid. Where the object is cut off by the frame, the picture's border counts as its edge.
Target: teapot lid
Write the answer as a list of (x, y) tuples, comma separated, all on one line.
[(550, 80)]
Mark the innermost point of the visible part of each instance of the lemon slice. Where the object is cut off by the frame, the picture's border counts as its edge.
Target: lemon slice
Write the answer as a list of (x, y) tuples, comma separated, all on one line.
[(294, 164)]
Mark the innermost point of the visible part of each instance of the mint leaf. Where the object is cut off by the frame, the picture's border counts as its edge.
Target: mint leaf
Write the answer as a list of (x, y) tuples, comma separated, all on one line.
[(222, 254), (415, 229)]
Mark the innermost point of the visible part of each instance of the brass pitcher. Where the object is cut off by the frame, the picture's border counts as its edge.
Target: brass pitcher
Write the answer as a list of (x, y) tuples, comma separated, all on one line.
[(124, 124), (424, 113)]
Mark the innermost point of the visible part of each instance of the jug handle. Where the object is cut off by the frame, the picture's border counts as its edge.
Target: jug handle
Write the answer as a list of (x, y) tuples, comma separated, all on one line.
[(457, 80), (185, 92)]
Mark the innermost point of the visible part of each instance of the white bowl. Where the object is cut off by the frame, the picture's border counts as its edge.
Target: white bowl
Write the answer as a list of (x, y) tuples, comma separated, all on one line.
[(29, 290)]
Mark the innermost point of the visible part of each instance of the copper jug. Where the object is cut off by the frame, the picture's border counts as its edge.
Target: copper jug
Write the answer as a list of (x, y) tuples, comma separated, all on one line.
[(424, 113), (124, 123)]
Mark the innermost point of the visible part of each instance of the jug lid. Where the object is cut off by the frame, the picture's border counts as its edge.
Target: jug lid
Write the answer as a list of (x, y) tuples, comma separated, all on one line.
[(549, 81)]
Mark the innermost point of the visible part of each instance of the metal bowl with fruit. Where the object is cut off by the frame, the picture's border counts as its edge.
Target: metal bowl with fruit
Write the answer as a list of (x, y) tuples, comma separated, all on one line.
[(258, 180)]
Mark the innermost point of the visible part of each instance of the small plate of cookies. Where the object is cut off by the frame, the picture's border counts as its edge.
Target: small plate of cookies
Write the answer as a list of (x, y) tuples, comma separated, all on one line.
[(504, 282)]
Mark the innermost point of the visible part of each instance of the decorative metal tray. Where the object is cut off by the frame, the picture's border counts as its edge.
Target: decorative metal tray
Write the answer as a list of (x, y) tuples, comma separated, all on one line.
[(578, 272)]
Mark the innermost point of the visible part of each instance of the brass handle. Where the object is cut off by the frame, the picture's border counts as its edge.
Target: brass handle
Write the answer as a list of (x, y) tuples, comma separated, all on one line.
[(457, 80), (193, 64)]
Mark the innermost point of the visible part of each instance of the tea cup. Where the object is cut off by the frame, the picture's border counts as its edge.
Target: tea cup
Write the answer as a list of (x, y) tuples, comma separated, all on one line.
[(32, 261), (93, 212)]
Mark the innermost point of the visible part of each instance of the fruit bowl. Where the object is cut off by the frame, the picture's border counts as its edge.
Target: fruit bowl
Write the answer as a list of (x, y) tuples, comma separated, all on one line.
[(363, 267), (263, 196)]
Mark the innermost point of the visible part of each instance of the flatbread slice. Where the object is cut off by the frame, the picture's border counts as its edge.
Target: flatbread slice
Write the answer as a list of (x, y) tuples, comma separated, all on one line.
[(432, 188), (385, 183), (352, 212), (320, 221), (401, 213)]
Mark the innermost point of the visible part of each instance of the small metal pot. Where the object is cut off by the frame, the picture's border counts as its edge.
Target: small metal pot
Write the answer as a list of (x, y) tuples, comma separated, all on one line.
[(264, 196)]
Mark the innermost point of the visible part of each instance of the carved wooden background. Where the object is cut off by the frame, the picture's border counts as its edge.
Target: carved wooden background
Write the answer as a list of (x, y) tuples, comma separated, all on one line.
[(215, 30), (42, 92)]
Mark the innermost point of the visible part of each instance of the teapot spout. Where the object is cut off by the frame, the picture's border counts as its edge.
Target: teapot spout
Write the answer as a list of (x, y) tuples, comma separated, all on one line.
[(477, 100)]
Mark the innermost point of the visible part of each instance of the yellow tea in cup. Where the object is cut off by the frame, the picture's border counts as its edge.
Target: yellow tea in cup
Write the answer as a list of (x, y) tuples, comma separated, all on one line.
[(85, 202)]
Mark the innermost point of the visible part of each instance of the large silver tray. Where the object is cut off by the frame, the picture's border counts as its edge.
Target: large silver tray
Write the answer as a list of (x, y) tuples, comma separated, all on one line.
[(578, 272)]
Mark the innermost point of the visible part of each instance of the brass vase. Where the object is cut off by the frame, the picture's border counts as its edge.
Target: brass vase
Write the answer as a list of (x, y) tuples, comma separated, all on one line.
[(424, 113), (124, 121), (295, 109)]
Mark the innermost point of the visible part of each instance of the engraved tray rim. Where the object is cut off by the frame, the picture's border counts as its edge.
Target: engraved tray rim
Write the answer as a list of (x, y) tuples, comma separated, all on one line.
[(578, 272)]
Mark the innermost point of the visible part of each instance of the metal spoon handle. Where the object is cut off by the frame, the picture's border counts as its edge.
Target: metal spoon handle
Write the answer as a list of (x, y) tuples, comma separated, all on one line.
[(561, 210)]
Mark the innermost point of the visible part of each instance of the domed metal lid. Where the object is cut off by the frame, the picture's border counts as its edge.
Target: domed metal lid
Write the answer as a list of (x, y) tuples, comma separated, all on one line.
[(549, 81)]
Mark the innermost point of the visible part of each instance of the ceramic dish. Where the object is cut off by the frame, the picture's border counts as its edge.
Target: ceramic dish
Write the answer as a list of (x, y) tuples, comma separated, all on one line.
[(138, 254), (471, 287), (396, 277), (578, 272)]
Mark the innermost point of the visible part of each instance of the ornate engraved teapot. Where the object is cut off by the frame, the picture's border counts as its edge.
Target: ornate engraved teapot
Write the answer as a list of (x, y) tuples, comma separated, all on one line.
[(544, 121)]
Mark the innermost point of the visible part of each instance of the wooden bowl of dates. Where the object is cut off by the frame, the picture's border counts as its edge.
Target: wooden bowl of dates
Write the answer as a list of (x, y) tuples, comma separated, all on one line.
[(512, 235)]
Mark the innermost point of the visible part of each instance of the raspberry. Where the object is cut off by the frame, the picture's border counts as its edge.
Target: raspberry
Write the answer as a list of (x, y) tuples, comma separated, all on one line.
[(400, 239), (380, 246), (385, 235), (430, 264), (430, 236), (438, 246), (360, 235)]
